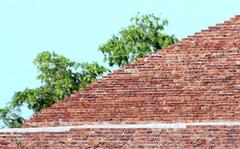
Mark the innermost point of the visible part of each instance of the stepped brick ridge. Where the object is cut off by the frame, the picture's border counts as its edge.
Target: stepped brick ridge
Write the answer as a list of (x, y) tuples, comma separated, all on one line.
[(195, 80)]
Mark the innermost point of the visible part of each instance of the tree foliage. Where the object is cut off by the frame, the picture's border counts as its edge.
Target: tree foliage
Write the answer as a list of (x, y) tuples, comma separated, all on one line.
[(142, 37), (59, 76), (10, 116)]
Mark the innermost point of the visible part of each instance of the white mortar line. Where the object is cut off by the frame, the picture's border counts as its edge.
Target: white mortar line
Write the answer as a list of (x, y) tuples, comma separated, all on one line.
[(121, 126)]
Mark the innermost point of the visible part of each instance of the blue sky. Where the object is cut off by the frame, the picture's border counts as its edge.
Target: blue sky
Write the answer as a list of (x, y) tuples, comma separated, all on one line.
[(75, 28)]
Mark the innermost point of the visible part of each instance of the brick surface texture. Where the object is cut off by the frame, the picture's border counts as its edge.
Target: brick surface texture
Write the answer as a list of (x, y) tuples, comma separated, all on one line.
[(195, 80), (192, 137)]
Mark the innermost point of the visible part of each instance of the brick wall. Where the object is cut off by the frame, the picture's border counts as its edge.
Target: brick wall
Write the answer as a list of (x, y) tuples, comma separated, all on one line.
[(197, 79), (191, 137)]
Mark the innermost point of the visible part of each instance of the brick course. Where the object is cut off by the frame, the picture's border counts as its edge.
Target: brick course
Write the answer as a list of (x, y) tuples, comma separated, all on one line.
[(191, 137)]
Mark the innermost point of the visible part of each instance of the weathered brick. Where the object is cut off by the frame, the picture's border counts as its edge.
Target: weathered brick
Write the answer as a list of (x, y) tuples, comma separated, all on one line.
[(195, 80), (191, 137)]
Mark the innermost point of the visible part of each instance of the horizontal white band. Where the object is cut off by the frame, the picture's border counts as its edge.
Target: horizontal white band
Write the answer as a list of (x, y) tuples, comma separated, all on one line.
[(121, 126)]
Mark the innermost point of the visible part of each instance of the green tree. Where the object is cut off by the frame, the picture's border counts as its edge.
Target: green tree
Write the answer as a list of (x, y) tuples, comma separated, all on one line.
[(10, 116), (59, 76), (143, 36)]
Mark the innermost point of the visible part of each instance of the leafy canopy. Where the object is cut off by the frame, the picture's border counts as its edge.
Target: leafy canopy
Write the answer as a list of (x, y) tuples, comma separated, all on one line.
[(59, 76), (142, 37)]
